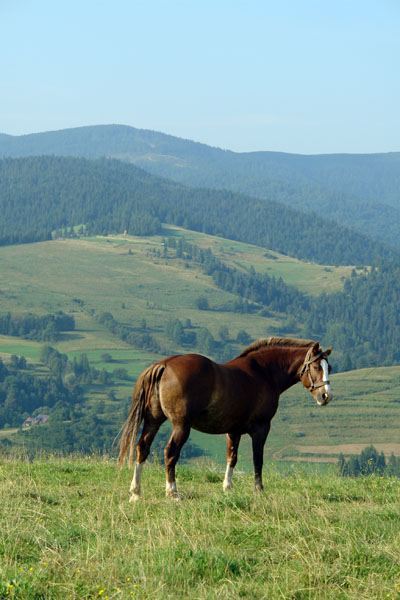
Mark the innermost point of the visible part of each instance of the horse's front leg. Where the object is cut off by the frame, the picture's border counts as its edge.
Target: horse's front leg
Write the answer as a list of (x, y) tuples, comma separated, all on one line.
[(232, 445), (258, 438), (180, 434)]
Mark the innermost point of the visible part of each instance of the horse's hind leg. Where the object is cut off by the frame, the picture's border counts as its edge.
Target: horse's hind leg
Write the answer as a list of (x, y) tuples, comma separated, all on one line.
[(150, 428), (232, 444), (258, 438), (180, 434)]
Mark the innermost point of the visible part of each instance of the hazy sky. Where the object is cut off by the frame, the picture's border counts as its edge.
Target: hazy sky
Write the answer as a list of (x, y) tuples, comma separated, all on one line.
[(307, 76)]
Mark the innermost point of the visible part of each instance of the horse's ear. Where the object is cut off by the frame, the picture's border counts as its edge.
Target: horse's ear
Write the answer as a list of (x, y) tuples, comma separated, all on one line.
[(316, 348), (328, 351)]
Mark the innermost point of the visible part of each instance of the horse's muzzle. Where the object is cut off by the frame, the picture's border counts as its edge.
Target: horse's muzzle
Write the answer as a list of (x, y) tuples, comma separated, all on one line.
[(324, 396)]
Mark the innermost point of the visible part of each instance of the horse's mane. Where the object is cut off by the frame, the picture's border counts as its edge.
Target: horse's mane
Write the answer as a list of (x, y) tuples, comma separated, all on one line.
[(276, 341)]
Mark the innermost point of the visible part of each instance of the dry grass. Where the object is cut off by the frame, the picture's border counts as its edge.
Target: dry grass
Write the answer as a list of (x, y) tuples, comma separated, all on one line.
[(69, 532)]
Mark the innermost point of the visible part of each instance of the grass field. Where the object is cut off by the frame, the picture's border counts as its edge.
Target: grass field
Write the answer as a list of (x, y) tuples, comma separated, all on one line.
[(68, 531)]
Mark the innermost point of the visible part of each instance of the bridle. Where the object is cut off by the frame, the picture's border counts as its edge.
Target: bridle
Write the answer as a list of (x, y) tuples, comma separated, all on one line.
[(306, 369)]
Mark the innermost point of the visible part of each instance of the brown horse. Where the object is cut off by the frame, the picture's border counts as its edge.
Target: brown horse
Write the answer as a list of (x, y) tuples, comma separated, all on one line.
[(240, 396)]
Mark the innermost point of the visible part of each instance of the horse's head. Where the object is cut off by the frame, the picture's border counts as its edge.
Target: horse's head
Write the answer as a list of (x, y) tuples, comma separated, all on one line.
[(314, 373)]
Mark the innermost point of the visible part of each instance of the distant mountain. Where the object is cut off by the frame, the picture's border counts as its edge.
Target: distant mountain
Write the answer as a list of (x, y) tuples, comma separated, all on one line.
[(361, 191), (41, 194)]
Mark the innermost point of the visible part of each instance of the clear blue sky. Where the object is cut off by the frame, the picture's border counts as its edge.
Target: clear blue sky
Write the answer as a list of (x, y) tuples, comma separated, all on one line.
[(309, 76)]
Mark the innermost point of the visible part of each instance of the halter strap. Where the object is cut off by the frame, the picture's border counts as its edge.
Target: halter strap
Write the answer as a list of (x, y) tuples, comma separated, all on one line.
[(306, 369)]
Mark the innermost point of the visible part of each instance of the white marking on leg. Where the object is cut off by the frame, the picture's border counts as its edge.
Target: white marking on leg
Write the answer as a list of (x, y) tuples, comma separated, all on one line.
[(171, 491), (135, 485), (227, 485), (170, 488)]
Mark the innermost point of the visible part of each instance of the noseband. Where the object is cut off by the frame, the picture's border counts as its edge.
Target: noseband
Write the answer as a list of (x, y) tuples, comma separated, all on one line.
[(306, 369)]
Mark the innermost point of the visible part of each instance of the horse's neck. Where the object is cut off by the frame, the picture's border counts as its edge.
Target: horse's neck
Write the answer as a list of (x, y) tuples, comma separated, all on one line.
[(283, 364)]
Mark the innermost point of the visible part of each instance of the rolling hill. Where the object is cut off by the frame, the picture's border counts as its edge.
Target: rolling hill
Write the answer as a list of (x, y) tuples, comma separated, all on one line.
[(360, 191)]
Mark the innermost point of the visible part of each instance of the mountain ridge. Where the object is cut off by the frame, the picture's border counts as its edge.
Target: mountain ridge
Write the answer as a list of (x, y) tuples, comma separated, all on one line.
[(359, 190)]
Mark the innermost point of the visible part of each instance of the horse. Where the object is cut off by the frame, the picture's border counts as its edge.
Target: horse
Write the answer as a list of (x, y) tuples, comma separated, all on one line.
[(235, 398)]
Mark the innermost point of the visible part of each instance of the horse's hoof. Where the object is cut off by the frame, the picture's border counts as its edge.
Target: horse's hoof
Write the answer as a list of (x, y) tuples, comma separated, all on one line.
[(258, 489), (134, 498), (174, 496), (227, 488)]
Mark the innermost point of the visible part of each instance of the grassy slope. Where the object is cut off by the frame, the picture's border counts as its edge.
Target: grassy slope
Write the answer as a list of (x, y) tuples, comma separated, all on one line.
[(293, 271), (48, 276), (69, 532)]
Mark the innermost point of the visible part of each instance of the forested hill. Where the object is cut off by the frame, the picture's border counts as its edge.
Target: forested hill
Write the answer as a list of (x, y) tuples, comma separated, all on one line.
[(41, 194), (361, 191)]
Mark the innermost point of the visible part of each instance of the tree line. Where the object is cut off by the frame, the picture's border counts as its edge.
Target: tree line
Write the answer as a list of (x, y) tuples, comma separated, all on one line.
[(41, 328), (369, 462)]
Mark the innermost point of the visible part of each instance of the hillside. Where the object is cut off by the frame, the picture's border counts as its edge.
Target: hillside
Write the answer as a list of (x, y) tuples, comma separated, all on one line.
[(69, 532), (152, 295), (40, 195), (360, 191)]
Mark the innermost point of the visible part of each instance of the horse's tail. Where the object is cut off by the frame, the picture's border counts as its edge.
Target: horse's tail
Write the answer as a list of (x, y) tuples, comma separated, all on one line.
[(145, 386)]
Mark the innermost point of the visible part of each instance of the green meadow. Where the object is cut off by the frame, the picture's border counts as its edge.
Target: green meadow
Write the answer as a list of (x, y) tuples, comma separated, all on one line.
[(68, 531), (105, 277)]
